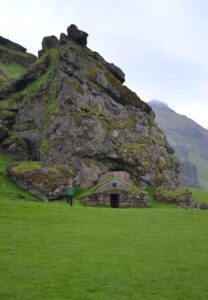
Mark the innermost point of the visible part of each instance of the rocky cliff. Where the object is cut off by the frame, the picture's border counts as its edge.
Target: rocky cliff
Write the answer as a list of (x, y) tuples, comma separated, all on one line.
[(14, 60), (71, 108)]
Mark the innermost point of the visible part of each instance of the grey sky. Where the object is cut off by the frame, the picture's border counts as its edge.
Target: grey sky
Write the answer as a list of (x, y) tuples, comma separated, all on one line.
[(161, 45)]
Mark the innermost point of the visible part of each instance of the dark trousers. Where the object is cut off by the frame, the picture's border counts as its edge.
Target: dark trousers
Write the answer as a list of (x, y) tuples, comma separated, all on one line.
[(69, 200)]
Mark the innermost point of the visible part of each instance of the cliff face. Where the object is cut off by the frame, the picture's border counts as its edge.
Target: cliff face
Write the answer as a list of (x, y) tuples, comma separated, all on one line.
[(190, 142), (71, 108), (14, 60)]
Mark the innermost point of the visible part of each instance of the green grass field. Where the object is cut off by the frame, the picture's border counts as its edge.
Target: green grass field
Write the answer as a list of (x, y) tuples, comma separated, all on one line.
[(200, 196), (53, 251)]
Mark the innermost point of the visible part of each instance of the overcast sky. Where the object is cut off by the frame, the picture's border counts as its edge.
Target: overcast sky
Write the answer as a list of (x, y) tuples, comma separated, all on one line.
[(161, 45)]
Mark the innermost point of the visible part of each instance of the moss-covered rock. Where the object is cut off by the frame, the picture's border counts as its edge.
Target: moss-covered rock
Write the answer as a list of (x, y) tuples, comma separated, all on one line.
[(46, 182), (181, 197)]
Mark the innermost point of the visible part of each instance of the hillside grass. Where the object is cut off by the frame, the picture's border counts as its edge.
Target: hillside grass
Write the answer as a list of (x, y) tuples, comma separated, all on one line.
[(12, 70), (54, 251)]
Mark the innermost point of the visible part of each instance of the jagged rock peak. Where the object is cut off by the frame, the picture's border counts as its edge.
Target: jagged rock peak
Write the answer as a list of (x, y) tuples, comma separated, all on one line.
[(11, 45), (74, 34), (77, 35), (50, 42)]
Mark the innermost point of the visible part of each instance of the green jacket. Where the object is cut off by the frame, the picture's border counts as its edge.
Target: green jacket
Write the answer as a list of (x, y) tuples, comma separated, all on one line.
[(69, 192)]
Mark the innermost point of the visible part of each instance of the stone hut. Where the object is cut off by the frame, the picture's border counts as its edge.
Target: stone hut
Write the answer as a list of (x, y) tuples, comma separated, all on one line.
[(114, 191)]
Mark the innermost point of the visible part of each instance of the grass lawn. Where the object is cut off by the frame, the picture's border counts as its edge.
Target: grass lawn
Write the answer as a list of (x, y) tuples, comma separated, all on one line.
[(53, 251)]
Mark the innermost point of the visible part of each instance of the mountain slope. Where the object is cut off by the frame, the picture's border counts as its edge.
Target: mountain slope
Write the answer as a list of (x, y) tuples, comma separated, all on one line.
[(71, 108), (14, 60), (188, 138)]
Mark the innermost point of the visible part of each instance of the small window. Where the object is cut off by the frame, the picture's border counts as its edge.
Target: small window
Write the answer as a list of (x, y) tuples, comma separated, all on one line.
[(114, 184)]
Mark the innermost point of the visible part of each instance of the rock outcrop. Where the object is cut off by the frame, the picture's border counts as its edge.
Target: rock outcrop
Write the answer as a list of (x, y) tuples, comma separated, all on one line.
[(50, 42), (182, 197), (47, 183), (76, 35), (72, 109), (14, 61), (11, 45)]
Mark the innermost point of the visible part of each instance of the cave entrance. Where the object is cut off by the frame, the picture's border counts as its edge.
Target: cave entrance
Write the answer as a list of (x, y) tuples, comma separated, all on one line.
[(114, 200)]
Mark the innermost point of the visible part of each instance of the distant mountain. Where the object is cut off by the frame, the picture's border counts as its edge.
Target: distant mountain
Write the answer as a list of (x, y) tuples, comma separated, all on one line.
[(14, 60), (189, 140)]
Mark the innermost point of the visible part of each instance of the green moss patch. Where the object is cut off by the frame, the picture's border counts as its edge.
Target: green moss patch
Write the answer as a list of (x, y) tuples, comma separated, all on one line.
[(46, 146), (27, 166), (12, 70), (14, 138)]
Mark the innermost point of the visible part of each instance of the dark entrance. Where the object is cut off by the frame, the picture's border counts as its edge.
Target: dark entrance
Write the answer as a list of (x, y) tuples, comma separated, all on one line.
[(114, 200)]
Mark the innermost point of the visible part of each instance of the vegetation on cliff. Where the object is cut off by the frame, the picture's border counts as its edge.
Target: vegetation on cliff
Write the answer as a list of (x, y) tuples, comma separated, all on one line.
[(71, 107), (14, 61)]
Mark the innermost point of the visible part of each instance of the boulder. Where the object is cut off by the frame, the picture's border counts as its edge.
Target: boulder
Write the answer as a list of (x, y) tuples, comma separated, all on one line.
[(63, 39), (202, 206), (76, 35), (45, 182), (49, 42), (117, 72), (181, 197)]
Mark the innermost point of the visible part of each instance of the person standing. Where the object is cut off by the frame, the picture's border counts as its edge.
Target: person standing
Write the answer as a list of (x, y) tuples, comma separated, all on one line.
[(69, 195)]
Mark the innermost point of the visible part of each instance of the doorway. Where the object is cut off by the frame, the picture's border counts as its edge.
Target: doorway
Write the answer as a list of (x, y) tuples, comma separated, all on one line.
[(114, 200)]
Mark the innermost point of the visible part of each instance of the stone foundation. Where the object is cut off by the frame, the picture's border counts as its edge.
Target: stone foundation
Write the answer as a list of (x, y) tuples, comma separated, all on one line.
[(119, 199)]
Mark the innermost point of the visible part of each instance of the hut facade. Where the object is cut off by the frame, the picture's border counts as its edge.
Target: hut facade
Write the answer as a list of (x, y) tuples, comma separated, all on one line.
[(115, 192)]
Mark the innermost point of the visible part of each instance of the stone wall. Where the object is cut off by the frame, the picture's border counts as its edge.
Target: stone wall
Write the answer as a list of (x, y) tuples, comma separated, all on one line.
[(126, 199)]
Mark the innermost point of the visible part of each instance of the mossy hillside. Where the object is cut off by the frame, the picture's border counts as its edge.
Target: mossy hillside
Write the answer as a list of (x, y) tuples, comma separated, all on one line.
[(45, 147), (3, 131), (6, 104), (7, 112), (13, 64), (108, 122), (11, 71), (46, 81), (6, 115), (14, 53), (14, 138)]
